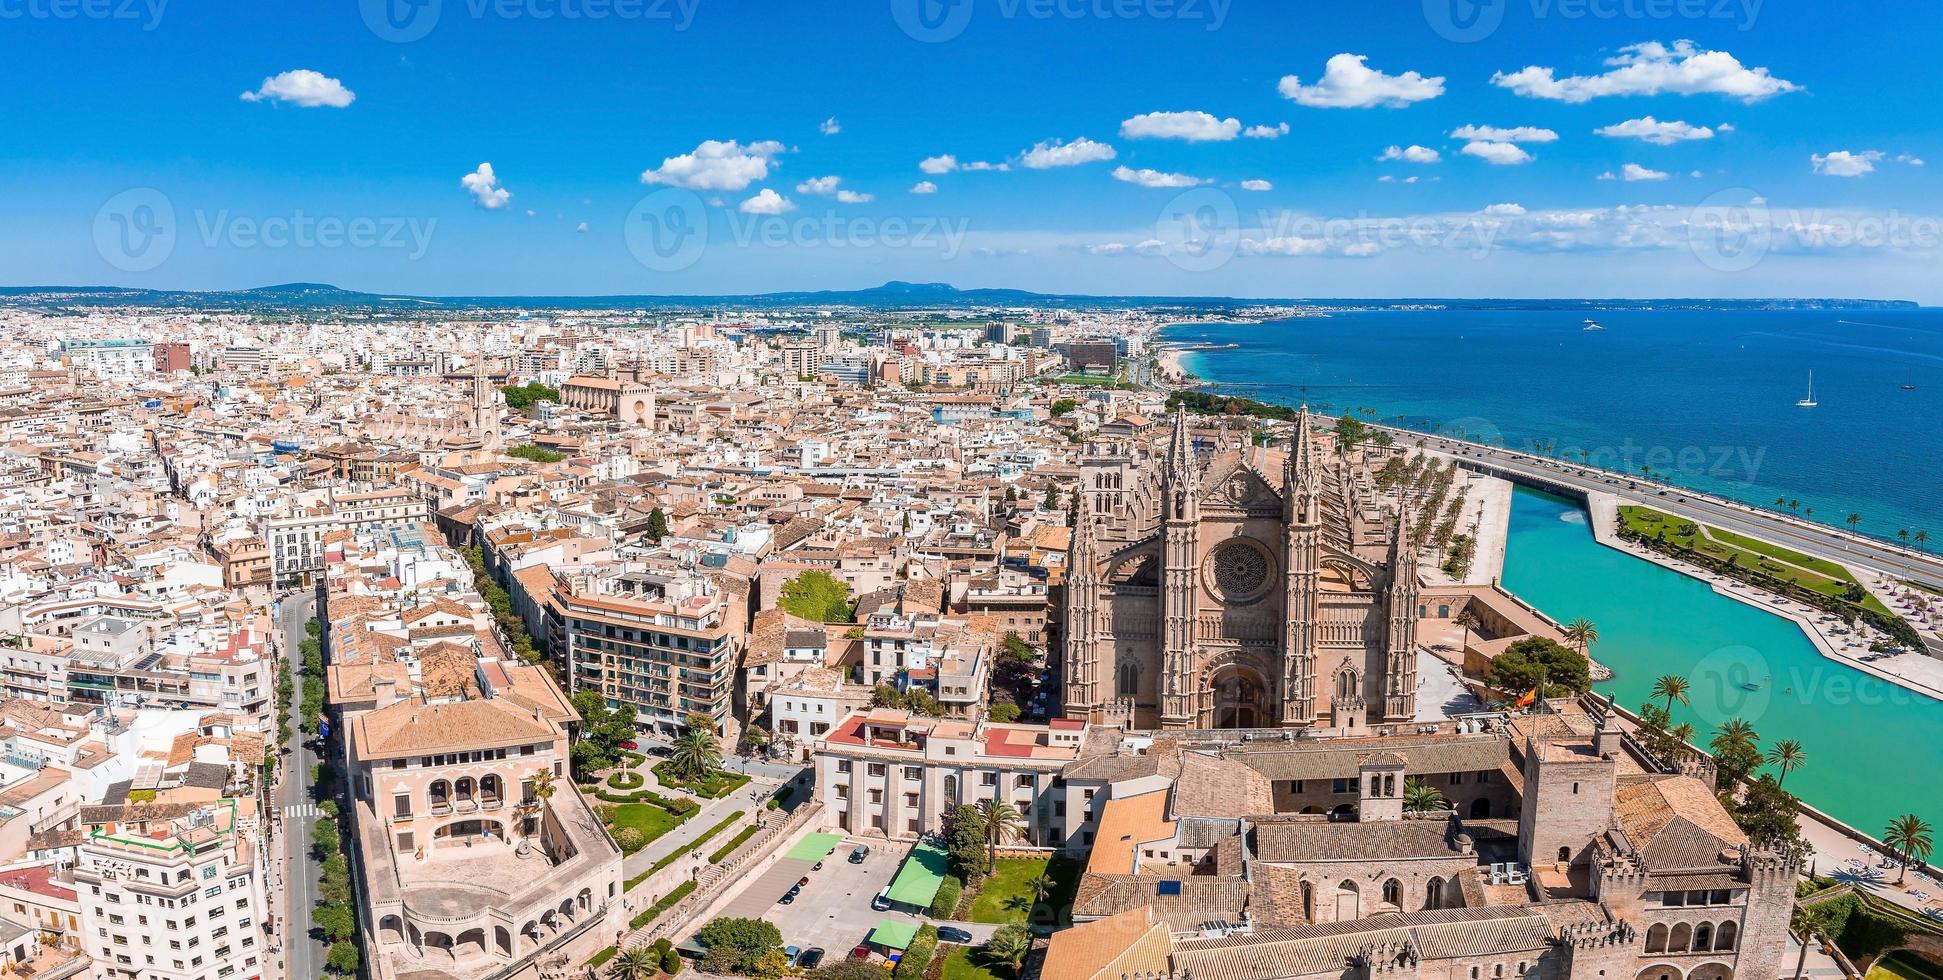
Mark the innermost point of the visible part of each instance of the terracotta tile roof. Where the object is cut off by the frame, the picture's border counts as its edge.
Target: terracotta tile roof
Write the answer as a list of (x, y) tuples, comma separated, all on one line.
[(1125, 824), (1131, 942), (413, 727), (1675, 822)]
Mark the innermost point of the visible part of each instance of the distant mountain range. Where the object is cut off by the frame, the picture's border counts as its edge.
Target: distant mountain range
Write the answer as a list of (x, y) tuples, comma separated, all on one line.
[(889, 296)]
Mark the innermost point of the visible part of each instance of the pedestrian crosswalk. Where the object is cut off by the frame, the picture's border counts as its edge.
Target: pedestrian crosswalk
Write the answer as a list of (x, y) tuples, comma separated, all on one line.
[(301, 810)]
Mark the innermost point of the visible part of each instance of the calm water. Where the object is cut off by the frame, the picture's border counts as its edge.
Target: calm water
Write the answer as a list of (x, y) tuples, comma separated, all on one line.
[(1706, 396), (1870, 744)]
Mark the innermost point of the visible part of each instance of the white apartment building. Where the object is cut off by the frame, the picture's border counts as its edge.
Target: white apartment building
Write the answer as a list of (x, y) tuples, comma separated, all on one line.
[(172, 890), (886, 772)]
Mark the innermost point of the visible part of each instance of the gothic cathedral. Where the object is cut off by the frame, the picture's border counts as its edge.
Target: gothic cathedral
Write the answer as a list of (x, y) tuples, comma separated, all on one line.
[(1237, 587)]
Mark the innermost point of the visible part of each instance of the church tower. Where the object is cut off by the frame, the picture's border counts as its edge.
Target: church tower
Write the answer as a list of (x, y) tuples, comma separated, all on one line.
[(1301, 565), (1180, 530), (1076, 626), (1400, 653), (485, 406)]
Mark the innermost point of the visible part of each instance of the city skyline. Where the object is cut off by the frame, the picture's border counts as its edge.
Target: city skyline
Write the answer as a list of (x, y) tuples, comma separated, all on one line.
[(466, 148)]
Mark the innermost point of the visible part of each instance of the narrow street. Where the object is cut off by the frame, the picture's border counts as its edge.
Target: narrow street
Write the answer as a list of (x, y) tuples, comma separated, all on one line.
[(295, 875)]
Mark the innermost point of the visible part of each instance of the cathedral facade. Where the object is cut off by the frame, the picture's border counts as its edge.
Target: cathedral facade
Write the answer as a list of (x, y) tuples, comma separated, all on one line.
[(1238, 587)]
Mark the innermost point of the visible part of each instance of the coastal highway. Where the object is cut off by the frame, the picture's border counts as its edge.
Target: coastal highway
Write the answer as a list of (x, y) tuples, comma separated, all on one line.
[(1805, 536)]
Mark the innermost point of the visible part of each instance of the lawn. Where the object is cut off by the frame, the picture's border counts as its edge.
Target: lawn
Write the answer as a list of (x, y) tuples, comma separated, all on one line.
[(717, 784), (1809, 572), (1003, 896), (1900, 965), (652, 821), (963, 964)]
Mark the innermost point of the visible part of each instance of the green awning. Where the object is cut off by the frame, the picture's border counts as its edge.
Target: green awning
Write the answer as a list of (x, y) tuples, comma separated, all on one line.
[(917, 881), (892, 934), (815, 847)]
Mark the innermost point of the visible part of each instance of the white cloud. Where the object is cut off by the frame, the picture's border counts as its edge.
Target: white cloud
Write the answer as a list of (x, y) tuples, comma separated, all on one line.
[(1500, 134), (1052, 153), (1500, 154), (767, 201), (853, 197), (977, 165), (1274, 132), (581, 227), (1842, 163), (1348, 83), (716, 165), (924, 187), (830, 127), (1257, 185), (305, 88), (819, 185), (1914, 161), (1650, 69), (1411, 154), (529, 212), (1107, 248), (1608, 175), (1724, 128), (1154, 178), (484, 187), (1386, 179), (943, 163), (1505, 210), (1634, 171), (1654, 131), (1194, 127)]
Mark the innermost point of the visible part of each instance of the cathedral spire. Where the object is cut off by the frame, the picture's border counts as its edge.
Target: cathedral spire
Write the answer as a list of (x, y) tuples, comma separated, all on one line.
[(1180, 451), (1079, 560)]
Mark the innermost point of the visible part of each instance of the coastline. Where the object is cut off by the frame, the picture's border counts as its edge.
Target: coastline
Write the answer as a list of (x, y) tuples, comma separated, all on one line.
[(1603, 509)]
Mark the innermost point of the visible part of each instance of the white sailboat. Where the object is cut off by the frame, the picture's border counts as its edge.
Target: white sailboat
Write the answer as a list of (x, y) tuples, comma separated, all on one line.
[(1810, 401)]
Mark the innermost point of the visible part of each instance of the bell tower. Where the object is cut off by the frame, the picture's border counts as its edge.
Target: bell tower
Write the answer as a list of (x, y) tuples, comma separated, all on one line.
[(1180, 531), (1301, 568)]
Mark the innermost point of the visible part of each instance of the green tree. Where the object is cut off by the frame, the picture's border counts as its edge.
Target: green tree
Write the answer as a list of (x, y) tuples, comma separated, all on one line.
[(745, 939), (944, 905), (965, 842), (1003, 712), (818, 595), (1786, 756), (1009, 944), (336, 920), (657, 525), (637, 962), (1063, 407), (1536, 661), (1421, 797), (1909, 835), (342, 959), (1766, 813), (1351, 432), (1002, 823), (1671, 688), (695, 754), (1052, 497)]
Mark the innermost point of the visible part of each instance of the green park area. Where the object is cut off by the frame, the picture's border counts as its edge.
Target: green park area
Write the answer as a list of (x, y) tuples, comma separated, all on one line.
[(1811, 573), (1900, 965), (1028, 891), (970, 963), (649, 820)]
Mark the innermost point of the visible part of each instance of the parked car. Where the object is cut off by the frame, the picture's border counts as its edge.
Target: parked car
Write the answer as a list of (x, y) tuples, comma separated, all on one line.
[(630, 745), (953, 934), (793, 952), (818, 866), (860, 952), (857, 856), (811, 958), (800, 882), (790, 896), (882, 903)]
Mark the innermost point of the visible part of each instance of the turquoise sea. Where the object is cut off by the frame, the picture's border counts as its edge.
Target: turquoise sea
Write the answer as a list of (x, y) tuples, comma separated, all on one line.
[(1716, 392), (1705, 396)]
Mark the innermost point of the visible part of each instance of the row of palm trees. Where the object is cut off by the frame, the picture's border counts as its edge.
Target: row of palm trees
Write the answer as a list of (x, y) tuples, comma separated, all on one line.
[(1785, 756)]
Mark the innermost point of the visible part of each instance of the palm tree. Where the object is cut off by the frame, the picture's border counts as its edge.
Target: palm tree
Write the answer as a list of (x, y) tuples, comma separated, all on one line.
[(1903, 535), (1922, 538), (1787, 756), (1421, 797), (1582, 634), (1040, 887), (540, 789), (1469, 621), (638, 962), (1853, 520), (695, 753), (1002, 823), (1009, 944), (1910, 836), (1673, 688), (1733, 733)]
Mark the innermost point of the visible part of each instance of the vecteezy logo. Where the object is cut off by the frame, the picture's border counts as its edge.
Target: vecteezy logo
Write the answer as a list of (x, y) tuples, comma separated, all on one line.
[(1199, 230), (1731, 682), (1730, 231), (400, 21), (1464, 21), (932, 21), (667, 231), (135, 230)]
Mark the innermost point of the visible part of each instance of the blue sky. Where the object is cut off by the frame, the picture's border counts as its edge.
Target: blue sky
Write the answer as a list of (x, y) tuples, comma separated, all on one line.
[(1793, 170)]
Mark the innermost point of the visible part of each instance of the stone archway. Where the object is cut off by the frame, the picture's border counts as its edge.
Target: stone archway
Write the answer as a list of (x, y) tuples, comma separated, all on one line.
[(1660, 971), (1711, 971), (1236, 693)]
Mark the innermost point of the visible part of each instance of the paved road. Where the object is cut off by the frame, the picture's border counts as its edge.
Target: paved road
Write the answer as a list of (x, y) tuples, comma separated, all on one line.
[(297, 810), (1740, 518)]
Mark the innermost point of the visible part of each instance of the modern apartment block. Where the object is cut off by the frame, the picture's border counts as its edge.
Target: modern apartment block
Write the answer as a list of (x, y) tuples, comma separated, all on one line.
[(666, 644)]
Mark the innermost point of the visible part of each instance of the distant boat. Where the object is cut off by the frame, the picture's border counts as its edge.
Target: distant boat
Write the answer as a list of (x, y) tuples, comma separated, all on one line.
[(1592, 325), (1810, 401), (1909, 387)]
